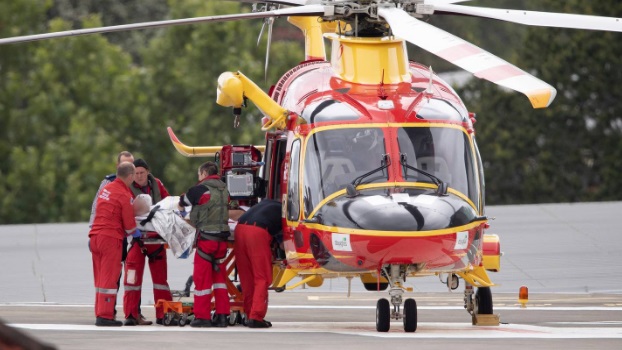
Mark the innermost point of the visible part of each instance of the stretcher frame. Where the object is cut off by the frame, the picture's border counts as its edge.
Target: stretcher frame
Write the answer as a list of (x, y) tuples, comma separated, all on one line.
[(182, 311)]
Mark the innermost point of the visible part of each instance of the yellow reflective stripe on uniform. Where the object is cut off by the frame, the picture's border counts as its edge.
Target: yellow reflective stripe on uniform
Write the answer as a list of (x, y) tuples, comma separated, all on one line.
[(131, 288), (219, 286), (106, 291), (160, 286), (200, 293)]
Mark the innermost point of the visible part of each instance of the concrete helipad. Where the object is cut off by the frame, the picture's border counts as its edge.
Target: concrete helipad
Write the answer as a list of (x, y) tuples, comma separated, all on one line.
[(567, 254)]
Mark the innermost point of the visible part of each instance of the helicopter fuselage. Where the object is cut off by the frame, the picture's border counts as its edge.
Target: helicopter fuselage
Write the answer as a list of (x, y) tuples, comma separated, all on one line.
[(373, 137)]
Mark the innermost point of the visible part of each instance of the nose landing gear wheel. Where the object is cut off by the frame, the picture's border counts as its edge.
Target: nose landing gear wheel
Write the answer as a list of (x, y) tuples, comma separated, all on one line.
[(410, 315), (383, 315)]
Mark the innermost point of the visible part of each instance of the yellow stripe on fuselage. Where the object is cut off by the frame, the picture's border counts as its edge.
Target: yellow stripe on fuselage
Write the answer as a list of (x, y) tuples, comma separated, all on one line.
[(374, 233)]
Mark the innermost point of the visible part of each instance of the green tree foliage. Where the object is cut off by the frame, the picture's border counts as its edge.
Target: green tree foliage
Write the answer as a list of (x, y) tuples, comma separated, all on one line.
[(572, 150), (184, 64), (114, 12), (68, 106), (65, 116)]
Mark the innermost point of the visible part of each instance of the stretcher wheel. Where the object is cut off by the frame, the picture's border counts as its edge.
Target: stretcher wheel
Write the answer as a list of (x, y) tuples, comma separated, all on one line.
[(168, 318), (183, 320), (234, 318)]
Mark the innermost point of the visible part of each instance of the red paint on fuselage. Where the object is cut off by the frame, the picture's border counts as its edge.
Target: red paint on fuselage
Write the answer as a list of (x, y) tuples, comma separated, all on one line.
[(315, 81)]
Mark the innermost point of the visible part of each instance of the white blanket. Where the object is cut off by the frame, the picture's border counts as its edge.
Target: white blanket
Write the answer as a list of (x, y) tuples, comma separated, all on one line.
[(170, 226)]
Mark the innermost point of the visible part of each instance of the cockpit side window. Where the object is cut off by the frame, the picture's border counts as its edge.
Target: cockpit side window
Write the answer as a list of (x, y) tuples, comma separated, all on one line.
[(335, 157)]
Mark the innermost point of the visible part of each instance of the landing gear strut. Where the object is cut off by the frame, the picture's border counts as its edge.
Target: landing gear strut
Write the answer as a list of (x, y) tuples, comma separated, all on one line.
[(479, 305), (396, 275)]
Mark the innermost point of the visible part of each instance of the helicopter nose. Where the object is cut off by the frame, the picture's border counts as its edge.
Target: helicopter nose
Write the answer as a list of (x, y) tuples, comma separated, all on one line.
[(406, 212)]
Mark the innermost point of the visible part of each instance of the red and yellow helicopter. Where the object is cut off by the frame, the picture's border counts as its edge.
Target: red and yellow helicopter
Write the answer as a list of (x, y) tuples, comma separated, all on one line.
[(373, 156)]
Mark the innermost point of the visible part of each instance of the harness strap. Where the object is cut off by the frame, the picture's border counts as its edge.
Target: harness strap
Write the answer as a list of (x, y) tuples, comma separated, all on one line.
[(211, 258), (150, 216), (140, 243), (211, 236), (153, 256)]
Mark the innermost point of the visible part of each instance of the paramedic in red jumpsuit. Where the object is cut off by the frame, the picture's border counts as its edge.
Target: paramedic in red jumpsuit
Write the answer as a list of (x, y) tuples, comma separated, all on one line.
[(210, 215), (145, 183), (253, 257), (113, 222), (123, 156)]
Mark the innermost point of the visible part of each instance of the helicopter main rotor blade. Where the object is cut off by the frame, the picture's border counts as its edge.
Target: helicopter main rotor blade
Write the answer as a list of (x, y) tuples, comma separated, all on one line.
[(310, 10), (467, 56), (265, 71), (282, 2), (534, 18), (433, 2)]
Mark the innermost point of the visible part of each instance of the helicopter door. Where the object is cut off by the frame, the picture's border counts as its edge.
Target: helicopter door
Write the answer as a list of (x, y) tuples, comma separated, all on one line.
[(293, 184), (273, 162)]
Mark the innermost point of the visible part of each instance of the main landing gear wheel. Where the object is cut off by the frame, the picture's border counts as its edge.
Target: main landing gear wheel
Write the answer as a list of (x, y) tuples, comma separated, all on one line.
[(410, 315), (483, 301), (383, 315)]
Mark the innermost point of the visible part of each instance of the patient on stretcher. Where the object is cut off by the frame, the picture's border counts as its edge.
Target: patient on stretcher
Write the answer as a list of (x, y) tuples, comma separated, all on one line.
[(164, 219)]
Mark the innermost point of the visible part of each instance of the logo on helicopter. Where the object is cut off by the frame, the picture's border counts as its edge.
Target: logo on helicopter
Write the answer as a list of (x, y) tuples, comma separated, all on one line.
[(341, 242)]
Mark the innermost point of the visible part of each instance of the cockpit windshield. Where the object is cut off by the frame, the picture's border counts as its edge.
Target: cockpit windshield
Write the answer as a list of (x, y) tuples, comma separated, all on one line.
[(441, 151), (334, 158), (439, 155)]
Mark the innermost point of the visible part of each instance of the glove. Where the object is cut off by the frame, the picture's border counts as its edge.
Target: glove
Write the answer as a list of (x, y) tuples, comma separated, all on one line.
[(185, 254), (137, 234), (183, 213)]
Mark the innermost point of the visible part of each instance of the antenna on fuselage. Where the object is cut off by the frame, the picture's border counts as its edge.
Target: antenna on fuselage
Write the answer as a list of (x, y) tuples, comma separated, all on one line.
[(429, 90)]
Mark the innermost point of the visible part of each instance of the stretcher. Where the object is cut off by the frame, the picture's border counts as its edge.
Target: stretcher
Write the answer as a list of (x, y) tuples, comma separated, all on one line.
[(181, 309)]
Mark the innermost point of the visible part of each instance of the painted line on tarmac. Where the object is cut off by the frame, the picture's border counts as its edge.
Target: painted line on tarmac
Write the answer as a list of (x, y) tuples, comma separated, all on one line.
[(363, 307), (424, 330)]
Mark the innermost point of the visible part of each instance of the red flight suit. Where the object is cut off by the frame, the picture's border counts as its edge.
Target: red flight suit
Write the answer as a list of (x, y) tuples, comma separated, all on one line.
[(135, 266), (253, 258), (207, 281), (134, 270), (114, 220), (253, 254)]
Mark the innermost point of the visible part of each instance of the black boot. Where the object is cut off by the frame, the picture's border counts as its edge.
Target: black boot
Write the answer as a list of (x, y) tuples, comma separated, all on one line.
[(251, 323), (105, 322), (221, 320), (199, 322)]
